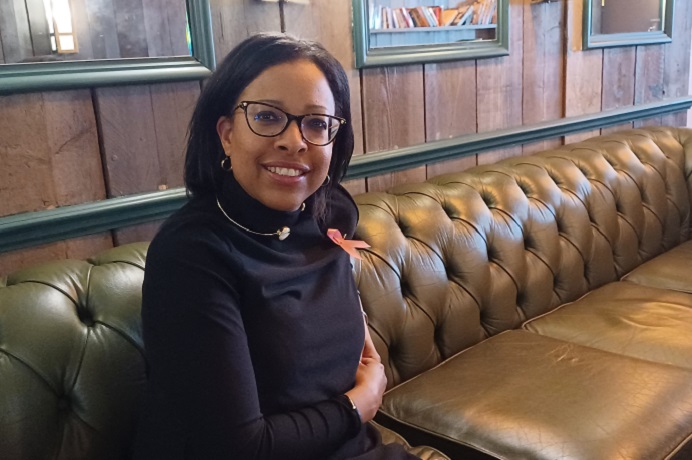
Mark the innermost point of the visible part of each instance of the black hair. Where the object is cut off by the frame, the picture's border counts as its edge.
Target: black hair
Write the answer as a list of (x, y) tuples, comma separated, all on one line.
[(203, 173)]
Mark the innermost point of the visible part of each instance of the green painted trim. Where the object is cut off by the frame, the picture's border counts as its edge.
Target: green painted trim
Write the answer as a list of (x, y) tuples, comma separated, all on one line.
[(34, 228), (388, 161), (591, 40), (201, 34), (63, 75), (39, 227), (386, 56)]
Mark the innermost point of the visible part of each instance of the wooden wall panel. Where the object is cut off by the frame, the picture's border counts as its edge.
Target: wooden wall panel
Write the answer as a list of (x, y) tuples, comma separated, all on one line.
[(450, 109), (543, 67), (234, 21), (50, 156), (25, 177), (14, 31), (500, 87), (76, 248), (648, 79), (165, 24), (330, 24), (49, 151), (583, 74), (132, 35), (618, 84), (103, 29), (393, 116), (677, 56), (73, 146), (38, 27), (128, 138), (143, 132), (82, 29), (173, 105)]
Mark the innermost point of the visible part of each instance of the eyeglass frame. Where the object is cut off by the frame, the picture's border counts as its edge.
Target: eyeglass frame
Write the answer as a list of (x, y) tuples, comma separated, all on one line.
[(289, 118)]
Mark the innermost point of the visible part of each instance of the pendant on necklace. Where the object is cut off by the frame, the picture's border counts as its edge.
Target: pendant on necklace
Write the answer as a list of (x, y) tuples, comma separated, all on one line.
[(283, 233)]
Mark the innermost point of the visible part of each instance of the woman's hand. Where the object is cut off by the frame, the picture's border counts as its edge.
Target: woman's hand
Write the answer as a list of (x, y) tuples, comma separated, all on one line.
[(369, 350), (371, 381), (370, 385)]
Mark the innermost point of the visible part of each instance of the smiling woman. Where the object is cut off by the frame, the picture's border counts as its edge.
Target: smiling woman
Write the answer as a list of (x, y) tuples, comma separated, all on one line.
[(59, 44), (254, 268)]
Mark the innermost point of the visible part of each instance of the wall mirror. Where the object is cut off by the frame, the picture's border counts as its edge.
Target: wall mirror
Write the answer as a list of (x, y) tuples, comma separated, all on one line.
[(65, 44), (390, 32), (627, 22)]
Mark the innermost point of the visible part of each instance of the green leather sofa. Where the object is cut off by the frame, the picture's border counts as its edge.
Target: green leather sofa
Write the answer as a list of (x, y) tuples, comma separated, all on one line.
[(538, 308)]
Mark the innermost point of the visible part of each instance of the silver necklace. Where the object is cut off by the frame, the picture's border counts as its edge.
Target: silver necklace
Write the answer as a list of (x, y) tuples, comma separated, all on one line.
[(281, 233)]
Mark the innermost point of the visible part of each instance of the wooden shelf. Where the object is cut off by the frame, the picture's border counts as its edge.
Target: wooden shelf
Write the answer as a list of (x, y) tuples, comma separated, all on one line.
[(432, 29)]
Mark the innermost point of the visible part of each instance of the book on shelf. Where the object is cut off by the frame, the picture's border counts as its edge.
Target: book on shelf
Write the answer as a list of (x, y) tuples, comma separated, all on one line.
[(436, 12), (390, 18), (407, 17), (418, 17), (397, 21), (430, 16), (466, 13), (448, 16), (484, 12)]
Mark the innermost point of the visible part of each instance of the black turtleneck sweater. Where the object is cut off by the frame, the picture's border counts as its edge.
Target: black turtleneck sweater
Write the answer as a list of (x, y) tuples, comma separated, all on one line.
[(250, 341)]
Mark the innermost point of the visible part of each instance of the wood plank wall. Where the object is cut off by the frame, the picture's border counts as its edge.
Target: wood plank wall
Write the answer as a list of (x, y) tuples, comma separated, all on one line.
[(60, 148)]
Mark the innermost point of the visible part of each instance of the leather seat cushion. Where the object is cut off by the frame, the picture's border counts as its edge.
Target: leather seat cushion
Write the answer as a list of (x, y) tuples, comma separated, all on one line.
[(611, 316), (670, 270), (523, 395), (422, 452)]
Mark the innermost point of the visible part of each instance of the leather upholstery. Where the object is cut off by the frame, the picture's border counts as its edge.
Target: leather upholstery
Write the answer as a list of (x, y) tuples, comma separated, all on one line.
[(628, 319), (671, 270), (422, 452), (460, 261), (71, 362), (521, 395), (465, 256)]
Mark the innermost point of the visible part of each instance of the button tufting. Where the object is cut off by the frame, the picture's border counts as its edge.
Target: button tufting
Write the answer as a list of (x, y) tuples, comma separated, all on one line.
[(85, 316), (63, 404)]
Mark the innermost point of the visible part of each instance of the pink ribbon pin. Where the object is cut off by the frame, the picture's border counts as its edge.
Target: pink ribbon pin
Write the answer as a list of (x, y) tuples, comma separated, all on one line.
[(350, 246)]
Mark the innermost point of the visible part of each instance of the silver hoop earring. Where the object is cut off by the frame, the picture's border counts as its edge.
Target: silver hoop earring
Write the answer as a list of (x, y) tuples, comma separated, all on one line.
[(226, 164), (326, 181)]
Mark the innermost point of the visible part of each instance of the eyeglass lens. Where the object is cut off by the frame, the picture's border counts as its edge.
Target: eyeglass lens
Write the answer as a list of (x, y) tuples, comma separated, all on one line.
[(265, 120)]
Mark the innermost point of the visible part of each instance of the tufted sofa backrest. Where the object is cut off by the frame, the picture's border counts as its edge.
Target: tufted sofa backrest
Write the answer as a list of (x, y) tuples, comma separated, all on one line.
[(466, 256), (71, 357)]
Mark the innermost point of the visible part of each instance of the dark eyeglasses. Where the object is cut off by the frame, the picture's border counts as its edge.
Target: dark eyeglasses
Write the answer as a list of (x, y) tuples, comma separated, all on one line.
[(268, 121)]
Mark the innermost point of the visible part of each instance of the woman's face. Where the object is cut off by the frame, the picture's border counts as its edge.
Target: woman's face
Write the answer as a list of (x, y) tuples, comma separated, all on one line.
[(281, 172)]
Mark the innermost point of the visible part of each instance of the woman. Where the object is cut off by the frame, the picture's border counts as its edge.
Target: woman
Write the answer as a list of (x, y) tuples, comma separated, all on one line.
[(255, 339)]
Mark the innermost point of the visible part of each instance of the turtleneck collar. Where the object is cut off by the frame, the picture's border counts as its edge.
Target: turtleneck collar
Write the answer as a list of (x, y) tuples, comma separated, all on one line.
[(252, 214)]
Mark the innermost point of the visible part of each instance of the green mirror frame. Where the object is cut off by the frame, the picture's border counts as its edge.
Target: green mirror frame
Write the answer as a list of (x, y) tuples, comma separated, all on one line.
[(48, 76), (591, 41), (416, 54)]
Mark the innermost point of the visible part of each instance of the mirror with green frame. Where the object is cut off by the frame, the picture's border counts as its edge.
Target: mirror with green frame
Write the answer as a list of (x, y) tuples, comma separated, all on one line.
[(63, 44), (610, 23), (390, 32)]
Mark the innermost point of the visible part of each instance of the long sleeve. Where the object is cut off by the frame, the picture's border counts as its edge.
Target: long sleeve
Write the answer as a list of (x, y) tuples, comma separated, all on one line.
[(202, 396)]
